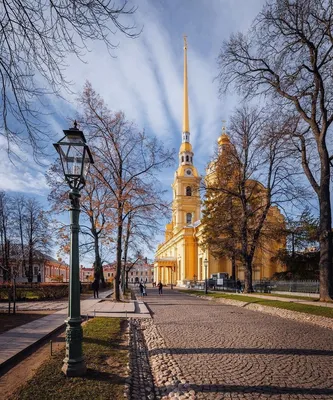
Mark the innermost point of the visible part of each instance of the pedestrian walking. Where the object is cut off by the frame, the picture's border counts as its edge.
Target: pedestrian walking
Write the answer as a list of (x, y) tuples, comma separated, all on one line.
[(160, 288), (141, 288), (95, 286), (144, 290), (238, 286)]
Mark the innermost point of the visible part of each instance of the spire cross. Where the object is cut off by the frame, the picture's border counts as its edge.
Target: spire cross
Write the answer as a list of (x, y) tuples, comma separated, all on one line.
[(185, 41), (223, 125)]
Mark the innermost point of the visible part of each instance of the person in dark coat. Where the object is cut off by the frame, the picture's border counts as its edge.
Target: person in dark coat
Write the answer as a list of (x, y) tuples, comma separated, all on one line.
[(238, 286), (160, 287), (144, 290), (141, 288), (95, 286)]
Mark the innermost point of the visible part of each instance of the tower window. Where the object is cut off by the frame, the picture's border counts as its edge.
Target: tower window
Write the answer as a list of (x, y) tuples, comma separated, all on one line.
[(188, 191), (188, 218), (182, 158), (187, 158)]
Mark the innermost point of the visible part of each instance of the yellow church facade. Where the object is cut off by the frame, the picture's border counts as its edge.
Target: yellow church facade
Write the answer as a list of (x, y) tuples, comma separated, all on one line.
[(181, 258)]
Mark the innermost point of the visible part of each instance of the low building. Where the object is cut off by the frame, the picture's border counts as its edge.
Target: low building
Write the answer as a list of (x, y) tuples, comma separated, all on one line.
[(44, 269), (141, 271)]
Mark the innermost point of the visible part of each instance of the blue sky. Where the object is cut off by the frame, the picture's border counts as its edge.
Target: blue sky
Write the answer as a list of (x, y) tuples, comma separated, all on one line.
[(145, 80)]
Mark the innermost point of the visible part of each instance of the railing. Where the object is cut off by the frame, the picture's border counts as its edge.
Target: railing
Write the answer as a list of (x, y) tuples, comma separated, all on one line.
[(287, 286), (263, 286)]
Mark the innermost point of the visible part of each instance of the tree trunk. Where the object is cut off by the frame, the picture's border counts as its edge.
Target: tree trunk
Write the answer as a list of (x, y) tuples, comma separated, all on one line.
[(248, 288), (98, 263), (247, 261), (30, 264), (126, 279), (14, 295), (119, 242), (233, 266), (293, 244), (325, 238)]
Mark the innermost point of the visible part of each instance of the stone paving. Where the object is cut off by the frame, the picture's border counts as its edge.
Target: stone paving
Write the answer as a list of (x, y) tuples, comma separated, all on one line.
[(200, 349)]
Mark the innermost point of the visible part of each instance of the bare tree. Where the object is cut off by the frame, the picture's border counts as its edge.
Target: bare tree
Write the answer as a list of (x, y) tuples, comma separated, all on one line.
[(36, 37), (98, 223), (130, 162), (288, 55), (36, 233), (251, 175), (5, 223)]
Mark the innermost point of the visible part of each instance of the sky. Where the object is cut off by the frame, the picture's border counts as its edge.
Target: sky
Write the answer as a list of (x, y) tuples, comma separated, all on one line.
[(144, 78)]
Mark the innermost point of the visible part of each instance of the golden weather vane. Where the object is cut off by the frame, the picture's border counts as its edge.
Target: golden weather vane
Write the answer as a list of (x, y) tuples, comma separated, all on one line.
[(223, 125)]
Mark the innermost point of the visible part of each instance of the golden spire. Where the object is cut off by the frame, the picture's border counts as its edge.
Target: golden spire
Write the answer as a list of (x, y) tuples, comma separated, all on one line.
[(186, 123)]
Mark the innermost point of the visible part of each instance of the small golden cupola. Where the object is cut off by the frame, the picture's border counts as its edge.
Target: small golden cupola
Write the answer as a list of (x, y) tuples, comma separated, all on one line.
[(224, 139)]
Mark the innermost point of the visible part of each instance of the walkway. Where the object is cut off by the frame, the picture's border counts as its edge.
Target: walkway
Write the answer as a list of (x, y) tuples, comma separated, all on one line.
[(228, 352), (19, 339)]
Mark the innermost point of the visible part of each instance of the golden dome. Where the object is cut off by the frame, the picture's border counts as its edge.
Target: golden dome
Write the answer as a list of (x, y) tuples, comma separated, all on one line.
[(185, 147), (224, 138)]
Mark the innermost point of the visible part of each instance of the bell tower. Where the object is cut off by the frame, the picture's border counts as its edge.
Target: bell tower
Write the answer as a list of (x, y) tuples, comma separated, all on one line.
[(186, 195)]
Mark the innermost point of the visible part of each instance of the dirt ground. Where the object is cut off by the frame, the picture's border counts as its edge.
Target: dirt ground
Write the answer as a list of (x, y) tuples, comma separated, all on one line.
[(10, 321), (26, 368)]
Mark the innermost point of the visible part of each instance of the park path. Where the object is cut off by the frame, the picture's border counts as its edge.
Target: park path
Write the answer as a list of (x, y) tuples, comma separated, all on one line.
[(227, 352)]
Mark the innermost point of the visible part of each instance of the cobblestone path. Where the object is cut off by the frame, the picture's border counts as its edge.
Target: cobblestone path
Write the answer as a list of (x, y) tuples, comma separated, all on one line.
[(228, 352)]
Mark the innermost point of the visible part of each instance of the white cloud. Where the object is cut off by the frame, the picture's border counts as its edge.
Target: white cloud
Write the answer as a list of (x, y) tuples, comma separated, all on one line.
[(21, 173)]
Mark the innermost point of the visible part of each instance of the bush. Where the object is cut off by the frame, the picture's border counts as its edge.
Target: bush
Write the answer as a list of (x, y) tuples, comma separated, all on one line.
[(42, 291)]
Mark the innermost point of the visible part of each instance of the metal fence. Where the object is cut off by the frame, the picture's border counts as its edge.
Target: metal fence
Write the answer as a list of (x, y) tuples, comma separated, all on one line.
[(264, 286), (287, 286)]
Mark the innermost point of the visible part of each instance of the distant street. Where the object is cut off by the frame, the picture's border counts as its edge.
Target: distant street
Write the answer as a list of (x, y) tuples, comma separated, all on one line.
[(228, 352)]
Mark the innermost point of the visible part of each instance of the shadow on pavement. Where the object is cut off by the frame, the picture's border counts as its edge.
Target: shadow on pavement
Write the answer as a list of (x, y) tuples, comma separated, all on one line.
[(209, 350), (265, 389)]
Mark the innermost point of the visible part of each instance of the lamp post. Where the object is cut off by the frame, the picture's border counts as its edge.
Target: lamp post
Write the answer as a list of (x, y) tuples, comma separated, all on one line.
[(206, 267), (75, 159)]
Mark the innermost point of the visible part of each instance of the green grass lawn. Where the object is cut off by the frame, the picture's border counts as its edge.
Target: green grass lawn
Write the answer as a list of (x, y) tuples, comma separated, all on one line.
[(287, 296), (106, 360), (309, 309)]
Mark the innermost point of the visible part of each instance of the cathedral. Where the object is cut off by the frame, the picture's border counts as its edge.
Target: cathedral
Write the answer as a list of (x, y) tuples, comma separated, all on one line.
[(181, 258)]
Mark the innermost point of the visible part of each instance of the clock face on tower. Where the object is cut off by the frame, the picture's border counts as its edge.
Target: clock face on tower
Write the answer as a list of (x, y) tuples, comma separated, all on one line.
[(188, 172)]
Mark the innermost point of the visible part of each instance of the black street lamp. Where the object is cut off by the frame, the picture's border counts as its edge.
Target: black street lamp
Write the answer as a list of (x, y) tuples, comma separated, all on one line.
[(75, 159), (206, 283)]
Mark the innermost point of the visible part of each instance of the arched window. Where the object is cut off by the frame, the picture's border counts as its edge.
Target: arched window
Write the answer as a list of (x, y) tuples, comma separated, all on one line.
[(187, 159), (188, 218), (182, 158), (191, 159), (188, 191)]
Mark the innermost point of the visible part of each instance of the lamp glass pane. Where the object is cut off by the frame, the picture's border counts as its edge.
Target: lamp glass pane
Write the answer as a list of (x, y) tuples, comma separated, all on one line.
[(72, 157), (86, 164)]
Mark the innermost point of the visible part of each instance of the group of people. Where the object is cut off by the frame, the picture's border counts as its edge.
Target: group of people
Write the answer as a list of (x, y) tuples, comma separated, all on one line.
[(143, 290), (142, 287)]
